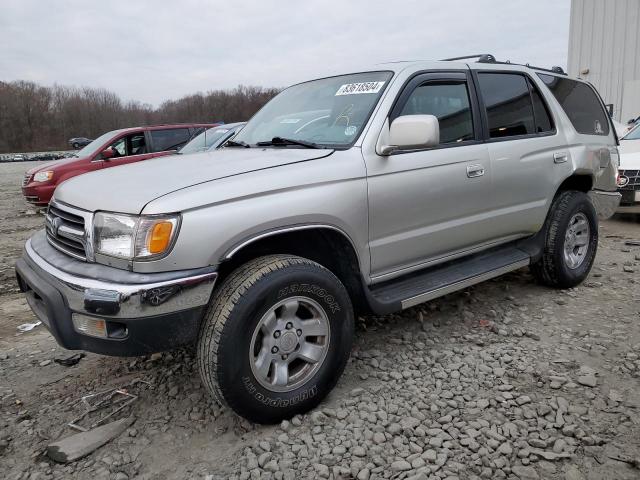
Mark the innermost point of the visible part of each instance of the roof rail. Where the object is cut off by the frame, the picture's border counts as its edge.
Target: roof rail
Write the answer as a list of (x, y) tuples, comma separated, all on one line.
[(482, 58), (488, 58)]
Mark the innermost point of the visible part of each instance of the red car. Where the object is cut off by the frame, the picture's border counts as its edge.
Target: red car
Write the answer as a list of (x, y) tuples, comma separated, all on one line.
[(114, 148)]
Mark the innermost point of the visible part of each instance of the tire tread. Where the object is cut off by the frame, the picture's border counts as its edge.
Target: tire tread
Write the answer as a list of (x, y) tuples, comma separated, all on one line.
[(546, 269), (220, 308)]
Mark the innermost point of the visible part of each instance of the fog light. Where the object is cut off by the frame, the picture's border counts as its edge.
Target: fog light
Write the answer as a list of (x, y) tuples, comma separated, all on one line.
[(92, 326)]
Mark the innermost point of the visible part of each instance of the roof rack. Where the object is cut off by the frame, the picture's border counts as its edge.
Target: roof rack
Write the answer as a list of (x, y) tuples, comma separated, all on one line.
[(488, 58), (482, 58)]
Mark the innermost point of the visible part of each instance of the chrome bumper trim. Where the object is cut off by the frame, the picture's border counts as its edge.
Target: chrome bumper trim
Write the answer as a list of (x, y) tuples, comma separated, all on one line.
[(123, 300)]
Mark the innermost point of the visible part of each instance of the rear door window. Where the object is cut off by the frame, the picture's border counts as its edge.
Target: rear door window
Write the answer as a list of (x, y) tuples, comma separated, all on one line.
[(170, 139), (508, 104), (544, 124), (580, 103)]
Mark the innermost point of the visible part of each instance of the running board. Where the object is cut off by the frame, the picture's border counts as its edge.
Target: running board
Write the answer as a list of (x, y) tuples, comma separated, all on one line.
[(449, 277)]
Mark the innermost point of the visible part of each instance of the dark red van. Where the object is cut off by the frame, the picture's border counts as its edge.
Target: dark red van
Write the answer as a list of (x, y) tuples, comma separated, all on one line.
[(114, 148)]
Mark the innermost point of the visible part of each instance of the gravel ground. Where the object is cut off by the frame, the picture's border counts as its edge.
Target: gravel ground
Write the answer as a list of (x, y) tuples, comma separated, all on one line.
[(504, 380)]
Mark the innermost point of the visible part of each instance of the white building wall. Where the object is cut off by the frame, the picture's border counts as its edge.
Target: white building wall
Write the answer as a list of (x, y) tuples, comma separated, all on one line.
[(604, 38)]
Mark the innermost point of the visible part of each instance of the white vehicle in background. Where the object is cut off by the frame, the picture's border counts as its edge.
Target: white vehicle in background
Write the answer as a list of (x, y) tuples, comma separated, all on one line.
[(621, 128), (629, 174), (630, 143), (212, 138)]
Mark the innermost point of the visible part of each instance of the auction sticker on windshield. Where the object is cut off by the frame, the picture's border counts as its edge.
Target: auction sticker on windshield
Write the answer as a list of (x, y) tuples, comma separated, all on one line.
[(358, 88)]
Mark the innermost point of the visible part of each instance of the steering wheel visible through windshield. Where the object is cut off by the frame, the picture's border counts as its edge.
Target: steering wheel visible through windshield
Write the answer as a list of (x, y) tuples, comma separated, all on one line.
[(329, 112)]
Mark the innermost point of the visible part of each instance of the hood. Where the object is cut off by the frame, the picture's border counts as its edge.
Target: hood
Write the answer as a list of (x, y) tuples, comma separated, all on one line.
[(629, 146), (128, 188), (630, 161), (51, 165)]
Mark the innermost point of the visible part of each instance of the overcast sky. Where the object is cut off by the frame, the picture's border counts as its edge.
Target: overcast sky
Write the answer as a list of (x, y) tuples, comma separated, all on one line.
[(154, 50)]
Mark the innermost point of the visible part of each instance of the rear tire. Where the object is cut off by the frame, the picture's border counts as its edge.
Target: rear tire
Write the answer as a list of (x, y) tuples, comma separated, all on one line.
[(571, 241), (276, 338)]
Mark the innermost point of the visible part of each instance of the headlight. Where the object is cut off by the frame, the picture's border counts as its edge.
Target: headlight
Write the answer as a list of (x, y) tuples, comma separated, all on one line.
[(43, 176), (134, 237)]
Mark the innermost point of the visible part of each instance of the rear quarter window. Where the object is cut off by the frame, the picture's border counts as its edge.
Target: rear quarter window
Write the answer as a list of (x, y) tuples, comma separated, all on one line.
[(580, 103)]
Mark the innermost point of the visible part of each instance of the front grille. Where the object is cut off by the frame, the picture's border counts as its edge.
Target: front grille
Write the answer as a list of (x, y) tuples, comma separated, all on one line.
[(25, 180), (634, 179), (66, 230)]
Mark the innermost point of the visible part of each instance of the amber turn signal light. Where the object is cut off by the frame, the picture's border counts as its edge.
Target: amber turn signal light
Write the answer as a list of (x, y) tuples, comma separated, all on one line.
[(160, 237)]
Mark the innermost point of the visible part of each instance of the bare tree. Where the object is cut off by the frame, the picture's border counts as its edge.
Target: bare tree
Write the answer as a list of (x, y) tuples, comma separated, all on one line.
[(37, 118)]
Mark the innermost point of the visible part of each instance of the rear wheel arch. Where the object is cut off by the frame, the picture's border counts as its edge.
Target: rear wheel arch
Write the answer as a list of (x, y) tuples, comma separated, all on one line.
[(578, 182)]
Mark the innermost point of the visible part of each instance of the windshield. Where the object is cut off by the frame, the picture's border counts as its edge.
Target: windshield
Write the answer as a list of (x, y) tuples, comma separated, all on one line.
[(328, 112), (633, 134), (205, 140), (94, 146)]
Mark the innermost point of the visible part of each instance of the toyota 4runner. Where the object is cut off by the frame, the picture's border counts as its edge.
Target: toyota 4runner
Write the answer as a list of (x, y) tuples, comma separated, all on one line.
[(371, 191)]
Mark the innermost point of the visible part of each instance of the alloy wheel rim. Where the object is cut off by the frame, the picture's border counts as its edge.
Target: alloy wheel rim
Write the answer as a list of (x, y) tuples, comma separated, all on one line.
[(289, 344), (576, 240)]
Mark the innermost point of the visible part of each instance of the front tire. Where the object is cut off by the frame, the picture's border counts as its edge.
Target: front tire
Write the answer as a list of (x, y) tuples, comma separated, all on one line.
[(276, 338), (571, 241), (76, 145)]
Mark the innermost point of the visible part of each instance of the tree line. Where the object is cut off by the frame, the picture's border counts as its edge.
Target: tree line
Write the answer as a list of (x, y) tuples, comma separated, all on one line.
[(39, 118)]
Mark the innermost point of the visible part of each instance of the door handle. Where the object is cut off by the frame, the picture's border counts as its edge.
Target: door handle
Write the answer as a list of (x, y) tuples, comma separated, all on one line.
[(474, 171), (560, 157)]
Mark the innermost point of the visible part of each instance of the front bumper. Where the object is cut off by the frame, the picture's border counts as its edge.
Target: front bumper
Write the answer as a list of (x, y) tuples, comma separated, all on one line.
[(143, 313), (37, 193)]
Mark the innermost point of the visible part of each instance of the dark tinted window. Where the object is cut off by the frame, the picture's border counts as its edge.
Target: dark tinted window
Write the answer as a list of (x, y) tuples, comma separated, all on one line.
[(508, 103), (169, 139), (580, 103), (540, 112), (447, 101)]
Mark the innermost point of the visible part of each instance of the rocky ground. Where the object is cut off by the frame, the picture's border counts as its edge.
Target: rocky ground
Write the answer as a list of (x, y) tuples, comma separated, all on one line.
[(504, 380)]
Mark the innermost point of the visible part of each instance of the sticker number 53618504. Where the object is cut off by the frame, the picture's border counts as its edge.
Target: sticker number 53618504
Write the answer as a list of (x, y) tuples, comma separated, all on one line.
[(357, 88)]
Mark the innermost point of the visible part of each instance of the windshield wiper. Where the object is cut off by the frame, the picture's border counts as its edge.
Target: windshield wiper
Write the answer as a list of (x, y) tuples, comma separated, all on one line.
[(233, 143), (280, 141)]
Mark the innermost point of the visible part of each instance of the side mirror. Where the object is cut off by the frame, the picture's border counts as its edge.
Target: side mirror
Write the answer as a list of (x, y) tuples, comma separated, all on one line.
[(107, 153), (412, 132)]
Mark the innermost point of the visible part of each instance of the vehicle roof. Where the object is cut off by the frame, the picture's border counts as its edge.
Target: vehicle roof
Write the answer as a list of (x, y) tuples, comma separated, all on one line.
[(419, 65)]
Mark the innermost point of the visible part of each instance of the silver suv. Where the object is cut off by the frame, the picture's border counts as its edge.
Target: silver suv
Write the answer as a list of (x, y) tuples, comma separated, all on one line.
[(371, 191)]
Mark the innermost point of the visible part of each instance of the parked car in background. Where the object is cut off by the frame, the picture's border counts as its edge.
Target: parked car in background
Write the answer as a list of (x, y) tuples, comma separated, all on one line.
[(621, 128), (630, 143), (629, 173), (372, 191), (629, 183), (119, 147), (47, 157), (18, 158), (79, 142), (212, 138)]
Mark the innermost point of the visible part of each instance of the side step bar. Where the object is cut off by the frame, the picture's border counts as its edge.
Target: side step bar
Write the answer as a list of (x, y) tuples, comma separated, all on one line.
[(425, 285), (439, 292)]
